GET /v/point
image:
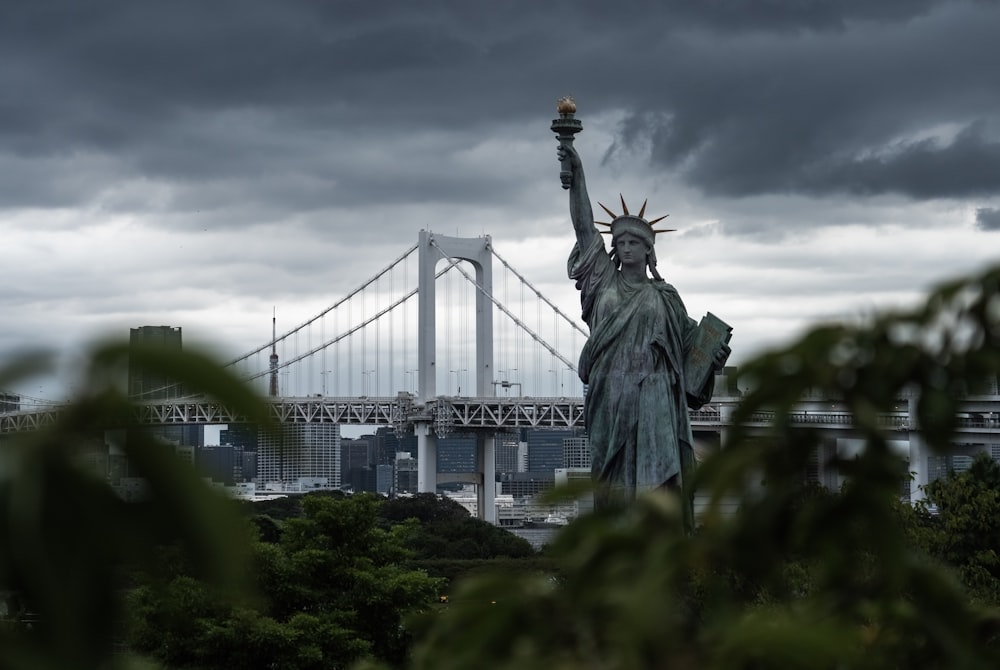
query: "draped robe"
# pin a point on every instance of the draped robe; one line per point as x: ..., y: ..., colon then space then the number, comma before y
x: 636, y: 409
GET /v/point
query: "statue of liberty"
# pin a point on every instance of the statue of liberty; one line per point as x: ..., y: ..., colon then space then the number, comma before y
x: 637, y: 360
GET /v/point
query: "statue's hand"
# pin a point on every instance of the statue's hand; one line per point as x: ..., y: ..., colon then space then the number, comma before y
x: 568, y: 156
x: 721, y: 356
x: 571, y: 164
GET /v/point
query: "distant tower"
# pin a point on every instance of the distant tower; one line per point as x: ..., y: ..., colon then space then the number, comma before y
x: 145, y: 385
x: 273, y: 388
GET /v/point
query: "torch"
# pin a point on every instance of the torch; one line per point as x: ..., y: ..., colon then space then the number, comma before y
x: 565, y: 127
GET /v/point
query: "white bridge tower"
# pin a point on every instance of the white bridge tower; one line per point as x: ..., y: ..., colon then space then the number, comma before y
x: 433, y: 248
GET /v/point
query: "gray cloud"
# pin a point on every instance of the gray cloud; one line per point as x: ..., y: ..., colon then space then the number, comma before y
x: 988, y: 218
x: 806, y: 114
x: 967, y: 166
x: 277, y: 100
x: 200, y: 162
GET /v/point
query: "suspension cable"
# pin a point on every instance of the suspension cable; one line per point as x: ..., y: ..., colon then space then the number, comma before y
x: 332, y: 307
x: 538, y: 293
x: 453, y: 263
x: 346, y: 333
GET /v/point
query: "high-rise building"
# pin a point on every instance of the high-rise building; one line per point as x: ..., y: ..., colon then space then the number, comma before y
x: 239, y: 435
x: 221, y: 464
x: 456, y: 453
x: 388, y: 444
x: 526, y: 484
x: 576, y: 453
x: 361, y: 479
x: 300, y: 456
x: 506, y: 447
x: 145, y: 384
x: 10, y: 402
x: 545, y: 449
x: 354, y: 453
x: 404, y: 474
x: 243, y: 439
x: 356, y: 470
x: 384, y: 478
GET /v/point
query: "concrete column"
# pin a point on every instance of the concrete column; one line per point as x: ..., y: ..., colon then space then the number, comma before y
x: 918, y: 456
x: 426, y: 458
x: 726, y: 418
x: 432, y: 249
x: 426, y: 320
x: 487, y: 488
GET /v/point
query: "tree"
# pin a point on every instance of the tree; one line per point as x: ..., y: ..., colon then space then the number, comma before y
x: 333, y: 590
x: 443, y: 529
x: 966, y: 531
x: 68, y: 543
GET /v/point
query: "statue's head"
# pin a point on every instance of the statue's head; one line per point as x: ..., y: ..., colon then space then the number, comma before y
x: 633, y: 225
x: 636, y: 226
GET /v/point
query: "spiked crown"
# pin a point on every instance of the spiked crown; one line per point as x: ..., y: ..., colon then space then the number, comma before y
x: 632, y: 223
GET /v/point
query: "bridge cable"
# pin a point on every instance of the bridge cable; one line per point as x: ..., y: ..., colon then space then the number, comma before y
x: 346, y: 333
x: 548, y: 302
x: 328, y: 309
x: 454, y: 264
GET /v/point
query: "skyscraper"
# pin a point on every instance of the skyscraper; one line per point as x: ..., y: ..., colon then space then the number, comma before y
x: 576, y: 452
x: 145, y: 385
x: 300, y: 456
x: 506, y: 446
x: 456, y: 453
x: 545, y: 449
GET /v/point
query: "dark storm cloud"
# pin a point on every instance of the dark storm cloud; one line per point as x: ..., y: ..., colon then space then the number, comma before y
x: 841, y: 112
x: 778, y: 15
x: 271, y: 105
x: 967, y: 166
x: 988, y: 218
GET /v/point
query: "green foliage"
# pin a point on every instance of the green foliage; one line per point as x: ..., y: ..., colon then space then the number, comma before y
x: 427, y: 508
x: 453, y: 570
x: 443, y: 529
x: 795, y: 579
x: 67, y: 540
x: 278, y: 509
x: 966, y: 531
x: 332, y: 590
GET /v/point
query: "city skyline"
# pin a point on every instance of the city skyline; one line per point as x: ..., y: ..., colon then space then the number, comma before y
x: 201, y: 167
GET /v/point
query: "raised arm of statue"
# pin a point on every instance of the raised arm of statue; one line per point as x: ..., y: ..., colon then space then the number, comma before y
x: 579, y: 201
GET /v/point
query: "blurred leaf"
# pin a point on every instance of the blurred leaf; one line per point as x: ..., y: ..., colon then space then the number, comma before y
x: 68, y: 542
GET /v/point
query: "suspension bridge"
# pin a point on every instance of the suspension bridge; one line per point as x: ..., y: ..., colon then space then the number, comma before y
x: 432, y: 344
x: 429, y: 344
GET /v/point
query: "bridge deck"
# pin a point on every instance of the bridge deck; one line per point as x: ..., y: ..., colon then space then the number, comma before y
x: 454, y: 414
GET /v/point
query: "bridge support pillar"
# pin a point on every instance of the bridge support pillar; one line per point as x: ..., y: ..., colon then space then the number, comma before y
x: 725, y: 420
x: 426, y: 458
x: 487, y: 490
x: 918, y: 456
x: 433, y: 249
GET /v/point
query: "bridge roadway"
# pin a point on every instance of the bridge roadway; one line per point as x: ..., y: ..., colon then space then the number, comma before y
x: 462, y: 414
x: 445, y: 412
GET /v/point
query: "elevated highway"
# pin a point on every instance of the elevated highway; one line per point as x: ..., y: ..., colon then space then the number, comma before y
x: 980, y: 417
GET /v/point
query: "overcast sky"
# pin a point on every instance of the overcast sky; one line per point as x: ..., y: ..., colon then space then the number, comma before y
x: 199, y: 163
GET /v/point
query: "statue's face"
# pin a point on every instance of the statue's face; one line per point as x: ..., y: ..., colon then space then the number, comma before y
x: 632, y: 250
